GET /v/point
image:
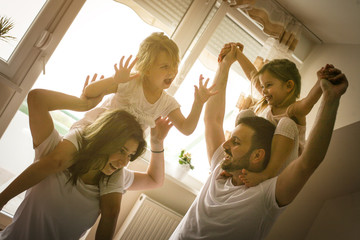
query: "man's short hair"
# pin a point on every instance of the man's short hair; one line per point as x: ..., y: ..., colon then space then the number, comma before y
x: 263, y: 134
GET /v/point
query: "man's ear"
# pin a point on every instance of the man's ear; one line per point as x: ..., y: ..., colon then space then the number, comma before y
x: 290, y: 84
x: 258, y: 156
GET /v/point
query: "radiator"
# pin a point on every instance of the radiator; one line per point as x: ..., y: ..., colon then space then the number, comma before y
x: 148, y: 220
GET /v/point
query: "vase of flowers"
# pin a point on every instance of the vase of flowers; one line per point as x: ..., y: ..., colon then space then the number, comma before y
x: 184, y: 164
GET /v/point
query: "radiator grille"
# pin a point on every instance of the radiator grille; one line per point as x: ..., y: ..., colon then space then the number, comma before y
x: 148, y: 220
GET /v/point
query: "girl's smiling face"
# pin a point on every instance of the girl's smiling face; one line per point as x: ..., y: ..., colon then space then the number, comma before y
x: 274, y: 90
x: 121, y: 158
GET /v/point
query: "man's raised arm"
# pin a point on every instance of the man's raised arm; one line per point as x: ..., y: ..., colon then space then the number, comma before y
x: 215, y: 107
x: 293, y: 178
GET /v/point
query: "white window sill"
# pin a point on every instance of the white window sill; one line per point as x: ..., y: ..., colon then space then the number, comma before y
x: 5, y: 219
x: 187, y: 182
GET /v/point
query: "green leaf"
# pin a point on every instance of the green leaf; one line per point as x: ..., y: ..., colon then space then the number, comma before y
x: 6, y: 25
x: 181, y: 153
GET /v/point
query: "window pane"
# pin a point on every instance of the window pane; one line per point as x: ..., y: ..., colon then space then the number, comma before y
x: 22, y: 14
x: 206, y: 64
x: 168, y: 12
x: 93, y: 44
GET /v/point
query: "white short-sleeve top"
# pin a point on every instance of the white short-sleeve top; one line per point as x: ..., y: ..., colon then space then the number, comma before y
x: 130, y: 97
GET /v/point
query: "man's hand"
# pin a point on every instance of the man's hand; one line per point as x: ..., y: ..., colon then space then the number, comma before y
x: 122, y: 74
x: 335, y: 86
x: 329, y: 71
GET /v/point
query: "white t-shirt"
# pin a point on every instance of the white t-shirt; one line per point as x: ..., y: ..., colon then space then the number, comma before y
x: 267, y: 113
x: 54, y: 208
x: 130, y: 97
x: 224, y: 211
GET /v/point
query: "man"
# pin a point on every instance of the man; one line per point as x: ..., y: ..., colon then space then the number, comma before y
x: 225, y: 208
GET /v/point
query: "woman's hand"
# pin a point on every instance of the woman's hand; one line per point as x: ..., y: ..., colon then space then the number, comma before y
x: 159, y: 133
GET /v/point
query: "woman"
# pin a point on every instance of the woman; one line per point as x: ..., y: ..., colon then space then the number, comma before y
x: 67, y: 203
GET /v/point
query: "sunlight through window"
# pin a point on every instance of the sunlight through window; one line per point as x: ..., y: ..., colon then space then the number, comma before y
x: 93, y: 44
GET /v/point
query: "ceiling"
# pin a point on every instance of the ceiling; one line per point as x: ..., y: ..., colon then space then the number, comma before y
x: 332, y: 21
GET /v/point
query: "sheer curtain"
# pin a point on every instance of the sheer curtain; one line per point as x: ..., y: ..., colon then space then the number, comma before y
x: 279, y: 25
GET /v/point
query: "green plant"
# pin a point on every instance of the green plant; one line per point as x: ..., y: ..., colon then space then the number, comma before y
x: 185, y: 158
x: 6, y: 24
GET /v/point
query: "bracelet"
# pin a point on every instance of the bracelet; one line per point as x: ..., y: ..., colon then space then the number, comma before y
x: 157, y: 151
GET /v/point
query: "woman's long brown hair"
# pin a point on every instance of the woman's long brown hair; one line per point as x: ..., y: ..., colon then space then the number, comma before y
x: 107, y: 135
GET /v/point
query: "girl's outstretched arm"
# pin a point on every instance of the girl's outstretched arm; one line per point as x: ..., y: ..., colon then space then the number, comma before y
x: 302, y: 107
x: 109, y: 85
x: 202, y: 94
x: 247, y: 66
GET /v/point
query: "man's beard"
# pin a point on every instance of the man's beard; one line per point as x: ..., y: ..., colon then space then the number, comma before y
x: 232, y: 166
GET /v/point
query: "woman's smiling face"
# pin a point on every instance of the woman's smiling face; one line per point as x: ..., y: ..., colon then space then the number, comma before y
x: 121, y: 158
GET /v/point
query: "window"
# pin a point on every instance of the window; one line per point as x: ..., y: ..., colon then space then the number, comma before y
x: 92, y: 44
x: 227, y: 31
x: 22, y: 17
x: 95, y: 41
x: 20, y: 63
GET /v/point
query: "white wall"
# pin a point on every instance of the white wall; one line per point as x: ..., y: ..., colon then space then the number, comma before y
x: 346, y: 58
x: 339, y: 218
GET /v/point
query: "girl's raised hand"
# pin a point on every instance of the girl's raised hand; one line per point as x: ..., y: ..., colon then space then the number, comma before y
x: 122, y: 74
x: 90, y: 102
x: 203, y: 93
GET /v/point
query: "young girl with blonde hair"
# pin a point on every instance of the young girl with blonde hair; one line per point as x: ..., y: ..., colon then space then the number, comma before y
x: 143, y: 93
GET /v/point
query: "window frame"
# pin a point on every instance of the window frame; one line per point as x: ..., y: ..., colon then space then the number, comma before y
x: 192, y: 184
x: 18, y: 74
